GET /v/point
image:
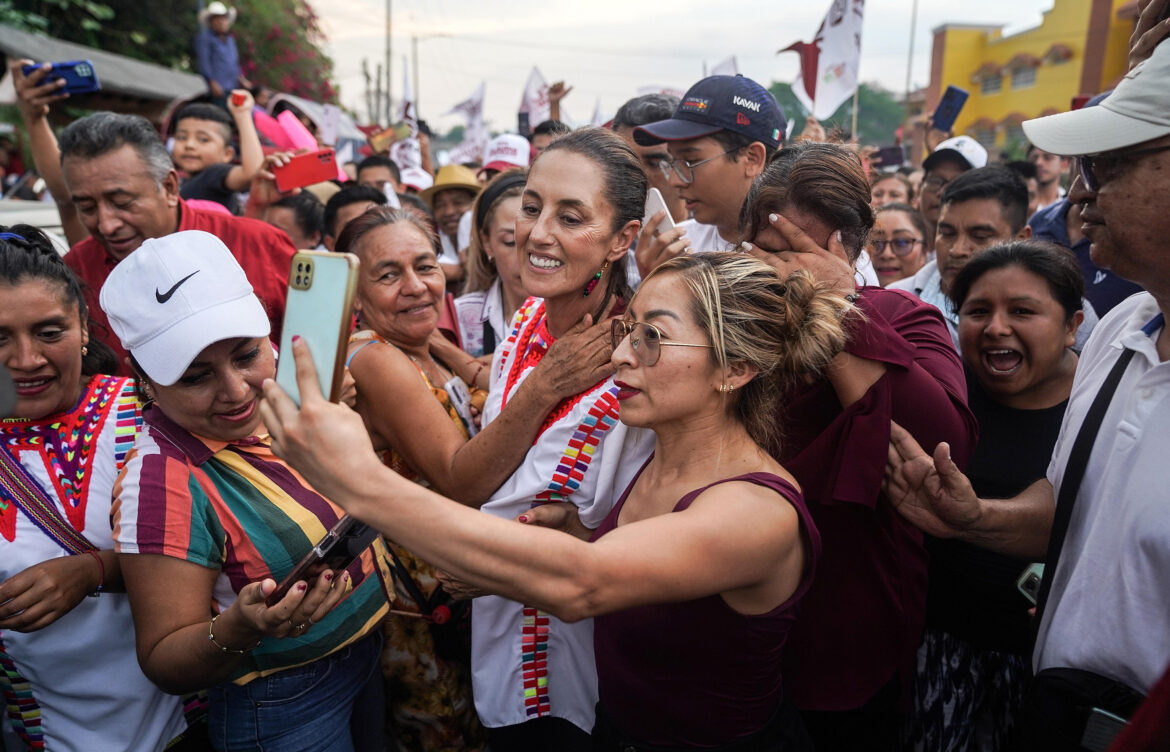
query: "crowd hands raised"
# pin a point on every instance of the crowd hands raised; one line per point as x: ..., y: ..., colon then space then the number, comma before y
x: 760, y: 473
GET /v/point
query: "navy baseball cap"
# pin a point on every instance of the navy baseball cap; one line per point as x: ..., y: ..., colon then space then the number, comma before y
x: 720, y: 103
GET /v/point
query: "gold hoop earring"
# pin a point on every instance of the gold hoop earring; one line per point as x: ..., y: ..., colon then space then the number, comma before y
x: 725, y: 388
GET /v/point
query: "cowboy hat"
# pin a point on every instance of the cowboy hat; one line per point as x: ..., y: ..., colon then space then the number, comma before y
x: 216, y: 8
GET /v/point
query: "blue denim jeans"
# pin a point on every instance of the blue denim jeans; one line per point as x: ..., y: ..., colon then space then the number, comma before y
x: 331, y: 705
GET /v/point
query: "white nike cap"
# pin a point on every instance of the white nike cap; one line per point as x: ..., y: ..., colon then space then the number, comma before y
x: 176, y: 295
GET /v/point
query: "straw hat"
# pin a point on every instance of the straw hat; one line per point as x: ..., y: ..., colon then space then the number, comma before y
x: 451, y: 176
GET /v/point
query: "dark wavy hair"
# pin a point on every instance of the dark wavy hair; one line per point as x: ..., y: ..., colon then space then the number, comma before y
x: 31, y: 255
x: 1055, y: 265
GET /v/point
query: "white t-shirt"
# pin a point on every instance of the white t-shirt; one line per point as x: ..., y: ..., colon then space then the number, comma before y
x: 706, y: 238
x: 1109, y: 610
x: 78, y: 678
x: 586, y: 457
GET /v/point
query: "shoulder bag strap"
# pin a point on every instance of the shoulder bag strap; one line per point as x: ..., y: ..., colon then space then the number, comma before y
x: 17, y: 485
x: 1074, y: 473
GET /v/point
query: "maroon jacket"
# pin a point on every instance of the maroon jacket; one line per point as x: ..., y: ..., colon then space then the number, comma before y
x: 861, y: 622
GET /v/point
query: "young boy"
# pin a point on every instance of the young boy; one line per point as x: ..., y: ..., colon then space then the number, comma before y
x: 204, y: 151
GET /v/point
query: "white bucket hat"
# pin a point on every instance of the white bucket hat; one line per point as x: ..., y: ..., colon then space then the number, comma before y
x: 1138, y: 110
x: 175, y: 296
x: 216, y: 8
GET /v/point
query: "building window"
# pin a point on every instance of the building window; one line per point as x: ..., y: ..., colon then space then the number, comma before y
x: 1023, y: 77
x: 985, y: 137
x: 991, y: 84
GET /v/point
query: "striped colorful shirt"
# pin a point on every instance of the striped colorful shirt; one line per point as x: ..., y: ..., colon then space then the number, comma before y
x: 237, y: 508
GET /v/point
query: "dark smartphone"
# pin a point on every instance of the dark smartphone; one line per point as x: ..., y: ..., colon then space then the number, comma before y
x: 344, y: 542
x: 522, y: 125
x: 889, y: 157
x: 948, y: 109
x: 306, y: 169
x: 7, y: 394
x: 79, y: 76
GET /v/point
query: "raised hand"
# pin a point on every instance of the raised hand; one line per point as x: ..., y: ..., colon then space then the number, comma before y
x: 929, y: 492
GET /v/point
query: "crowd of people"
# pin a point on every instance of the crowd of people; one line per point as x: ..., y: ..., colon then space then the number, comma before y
x: 772, y: 466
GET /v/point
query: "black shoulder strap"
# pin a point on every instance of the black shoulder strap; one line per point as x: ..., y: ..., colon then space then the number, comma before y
x: 1074, y: 473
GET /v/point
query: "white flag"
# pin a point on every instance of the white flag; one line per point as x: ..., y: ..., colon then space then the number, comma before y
x: 535, y: 99
x: 406, y: 153
x: 475, y: 141
x: 835, y: 54
x: 472, y: 107
x: 728, y: 67
x: 408, y: 114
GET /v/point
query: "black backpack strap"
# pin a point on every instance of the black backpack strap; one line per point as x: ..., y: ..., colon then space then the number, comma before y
x: 1074, y: 473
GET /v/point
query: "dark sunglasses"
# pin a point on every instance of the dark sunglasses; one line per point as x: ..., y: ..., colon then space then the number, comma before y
x: 900, y: 246
x: 1092, y: 166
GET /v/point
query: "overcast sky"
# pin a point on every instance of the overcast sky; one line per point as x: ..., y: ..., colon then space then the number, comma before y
x: 607, y: 49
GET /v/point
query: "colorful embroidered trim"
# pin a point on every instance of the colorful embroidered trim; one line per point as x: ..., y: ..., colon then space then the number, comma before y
x: 570, y: 471
x: 127, y: 422
x: 534, y: 662
x: 22, y: 709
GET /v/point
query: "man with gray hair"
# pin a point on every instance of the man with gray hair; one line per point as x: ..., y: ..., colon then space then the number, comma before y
x: 124, y: 186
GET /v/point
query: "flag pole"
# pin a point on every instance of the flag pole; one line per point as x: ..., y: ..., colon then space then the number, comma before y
x: 853, y: 127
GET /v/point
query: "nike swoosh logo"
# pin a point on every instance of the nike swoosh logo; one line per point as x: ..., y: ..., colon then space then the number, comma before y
x: 163, y: 297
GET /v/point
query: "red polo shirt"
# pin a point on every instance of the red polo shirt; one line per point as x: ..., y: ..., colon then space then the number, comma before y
x: 263, y: 251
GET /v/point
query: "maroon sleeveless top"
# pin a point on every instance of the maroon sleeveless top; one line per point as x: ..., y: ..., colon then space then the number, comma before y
x: 697, y: 673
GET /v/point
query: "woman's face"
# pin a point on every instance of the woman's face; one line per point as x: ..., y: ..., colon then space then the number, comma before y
x: 892, y: 264
x: 1013, y: 333
x: 499, y: 243
x: 218, y: 396
x: 41, y: 336
x: 684, y: 380
x: 564, y: 230
x: 400, y: 284
x: 888, y: 191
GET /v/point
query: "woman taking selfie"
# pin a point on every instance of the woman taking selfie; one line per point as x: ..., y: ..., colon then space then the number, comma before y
x: 59, y: 455
x: 207, y: 520
x: 1019, y: 308
x: 695, y: 573
x: 851, y: 665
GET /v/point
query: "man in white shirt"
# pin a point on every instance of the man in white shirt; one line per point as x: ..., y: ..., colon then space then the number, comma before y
x: 1107, y: 611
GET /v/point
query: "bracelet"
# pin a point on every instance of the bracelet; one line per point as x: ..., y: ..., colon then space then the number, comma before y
x: 223, y: 648
x: 101, y: 573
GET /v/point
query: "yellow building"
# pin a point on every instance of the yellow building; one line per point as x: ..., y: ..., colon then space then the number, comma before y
x: 1079, y: 49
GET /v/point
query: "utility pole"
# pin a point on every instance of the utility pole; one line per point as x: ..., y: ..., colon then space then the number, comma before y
x: 371, y: 110
x: 378, y: 95
x: 389, y: 30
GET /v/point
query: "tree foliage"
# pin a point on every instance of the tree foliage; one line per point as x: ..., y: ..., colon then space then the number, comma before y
x: 280, y: 41
x: 879, y: 113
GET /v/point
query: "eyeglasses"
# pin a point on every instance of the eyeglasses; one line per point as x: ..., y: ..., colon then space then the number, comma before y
x: 686, y: 170
x: 1094, y: 167
x: 935, y: 182
x: 900, y: 246
x: 646, y: 341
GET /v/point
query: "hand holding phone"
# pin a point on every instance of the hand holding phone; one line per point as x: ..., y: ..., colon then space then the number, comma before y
x: 306, y: 169
x: 78, y: 75
x: 948, y: 109
x: 340, y: 547
x: 656, y: 203
x: 319, y: 309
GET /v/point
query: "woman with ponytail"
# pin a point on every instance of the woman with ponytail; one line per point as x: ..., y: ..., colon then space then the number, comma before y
x: 851, y: 662
x: 695, y: 573
x: 67, y: 661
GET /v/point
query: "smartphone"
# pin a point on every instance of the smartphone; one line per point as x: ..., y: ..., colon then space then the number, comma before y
x: 948, y: 109
x: 7, y: 394
x: 1029, y: 582
x: 344, y: 543
x: 654, y: 204
x: 319, y: 309
x: 79, y: 76
x: 306, y: 169
x: 889, y: 157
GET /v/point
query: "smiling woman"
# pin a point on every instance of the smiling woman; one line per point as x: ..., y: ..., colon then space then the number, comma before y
x: 197, y: 334
x: 59, y: 455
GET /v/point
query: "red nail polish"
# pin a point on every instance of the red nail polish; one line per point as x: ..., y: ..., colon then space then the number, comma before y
x: 328, y: 576
x: 296, y: 338
x: 524, y: 518
x: 301, y: 587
